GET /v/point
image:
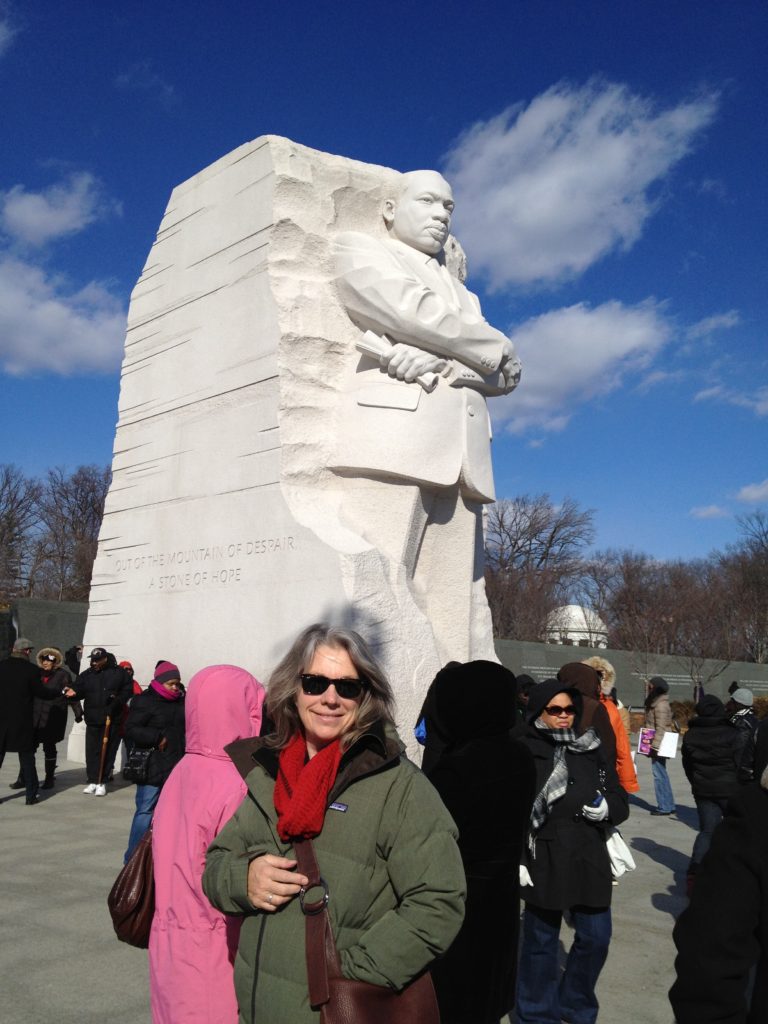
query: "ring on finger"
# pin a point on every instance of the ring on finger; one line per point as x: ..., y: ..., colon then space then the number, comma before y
x: 270, y: 897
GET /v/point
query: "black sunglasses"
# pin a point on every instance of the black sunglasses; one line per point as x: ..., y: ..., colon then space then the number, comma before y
x: 47, y: 657
x: 313, y: 686
x: 555, y: 710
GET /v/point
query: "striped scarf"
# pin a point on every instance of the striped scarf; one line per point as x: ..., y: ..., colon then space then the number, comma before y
x: 557, y: 783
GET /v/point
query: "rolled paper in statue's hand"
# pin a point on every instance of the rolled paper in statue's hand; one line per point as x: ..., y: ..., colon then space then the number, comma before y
x: 376, y: 345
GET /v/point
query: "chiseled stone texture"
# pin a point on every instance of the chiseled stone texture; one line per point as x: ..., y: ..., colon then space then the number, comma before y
x: 222, y: 536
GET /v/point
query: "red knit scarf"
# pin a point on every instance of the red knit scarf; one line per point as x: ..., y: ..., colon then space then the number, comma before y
x: 302, y: 788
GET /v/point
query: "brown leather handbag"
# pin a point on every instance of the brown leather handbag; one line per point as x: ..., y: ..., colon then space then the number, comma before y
x: 340, y: 1000
x: 131, y: 901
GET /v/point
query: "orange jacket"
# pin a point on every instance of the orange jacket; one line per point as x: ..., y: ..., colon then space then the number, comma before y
x: 624, y: 767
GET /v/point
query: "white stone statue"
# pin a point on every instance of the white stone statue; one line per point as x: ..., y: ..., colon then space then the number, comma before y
x: 414, y: 429
x: 265, y: 474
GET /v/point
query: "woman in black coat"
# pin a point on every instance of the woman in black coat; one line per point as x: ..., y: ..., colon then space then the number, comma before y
x: 486, y: 780
x: 156, y: 722
x: 711, y: 755
x: 49, y: 717
x: 566, y: 864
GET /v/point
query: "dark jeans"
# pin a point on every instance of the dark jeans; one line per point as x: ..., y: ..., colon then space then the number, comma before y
x: 94, y: 737
x: 710, y: 816
x: 543, y: 997
x: 49, y: 749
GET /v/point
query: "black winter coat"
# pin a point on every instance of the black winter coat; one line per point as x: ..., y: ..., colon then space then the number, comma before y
x: 746, y: 725
x: 101, y: 691
x: 150, y: 718
x: 711, y: 755
x: 49, y: 717
x: 20, y: 683
x: 723, y: 933
x: 571, y: 866
x: 485, y: 779
x: 760, y: 760
x: 487, y: 784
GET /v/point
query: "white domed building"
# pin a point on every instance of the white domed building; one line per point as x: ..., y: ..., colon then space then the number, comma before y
x: 576, y: 626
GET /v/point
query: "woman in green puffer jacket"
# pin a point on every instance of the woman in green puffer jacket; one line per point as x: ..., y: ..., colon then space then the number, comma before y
x: 334, y: 771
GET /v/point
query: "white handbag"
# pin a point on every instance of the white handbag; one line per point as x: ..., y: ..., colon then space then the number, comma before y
x: 619, y: 853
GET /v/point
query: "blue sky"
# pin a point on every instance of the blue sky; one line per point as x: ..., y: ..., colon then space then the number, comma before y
x: 609, y: 163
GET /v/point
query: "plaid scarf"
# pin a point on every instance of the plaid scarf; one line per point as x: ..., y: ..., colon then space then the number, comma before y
x: 557, y: 783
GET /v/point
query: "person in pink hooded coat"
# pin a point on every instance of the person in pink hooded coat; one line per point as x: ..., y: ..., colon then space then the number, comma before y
x: 192, y: 946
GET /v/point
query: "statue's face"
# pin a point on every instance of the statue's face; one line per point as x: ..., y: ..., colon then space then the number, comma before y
x: 421, y: 217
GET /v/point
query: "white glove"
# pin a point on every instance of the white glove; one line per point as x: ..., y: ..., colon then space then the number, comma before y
x: 525, y: 877
x: 599, y: 813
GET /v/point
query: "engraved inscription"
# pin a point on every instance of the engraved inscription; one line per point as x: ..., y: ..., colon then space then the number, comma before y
x: 199, y: 567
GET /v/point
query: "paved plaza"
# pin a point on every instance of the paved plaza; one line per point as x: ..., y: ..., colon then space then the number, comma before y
x: 60, y: 960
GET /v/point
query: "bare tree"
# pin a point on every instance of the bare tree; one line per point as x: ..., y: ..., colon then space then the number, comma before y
x: 19, y: 497
x: 533, y: 550
x: 70, y: 511
x: 745, y: 565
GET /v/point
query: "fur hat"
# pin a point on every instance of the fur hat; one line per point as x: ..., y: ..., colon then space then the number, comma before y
x: 605, y: 670
x: 58, y: 657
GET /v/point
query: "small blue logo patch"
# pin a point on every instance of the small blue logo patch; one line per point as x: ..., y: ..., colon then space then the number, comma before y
x: 339, y: 807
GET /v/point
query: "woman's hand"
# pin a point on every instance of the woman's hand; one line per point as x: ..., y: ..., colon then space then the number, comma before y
x: 597, y: 812
x: 273, y: 882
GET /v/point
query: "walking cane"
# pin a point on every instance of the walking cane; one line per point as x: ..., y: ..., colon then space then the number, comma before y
x: 104, y: 744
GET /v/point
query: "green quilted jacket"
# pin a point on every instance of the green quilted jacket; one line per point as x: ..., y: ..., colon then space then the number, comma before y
x: 388, y: 853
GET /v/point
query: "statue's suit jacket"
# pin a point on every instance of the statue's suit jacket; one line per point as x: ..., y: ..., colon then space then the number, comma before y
x: 395, y: 429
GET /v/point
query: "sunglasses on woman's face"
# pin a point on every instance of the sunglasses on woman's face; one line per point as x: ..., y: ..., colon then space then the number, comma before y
x: 555, y: 710
x: 47, y: 657
x: 313, y: 686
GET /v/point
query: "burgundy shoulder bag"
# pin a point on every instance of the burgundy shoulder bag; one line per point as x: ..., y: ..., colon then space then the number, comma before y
x: 340, y: 1000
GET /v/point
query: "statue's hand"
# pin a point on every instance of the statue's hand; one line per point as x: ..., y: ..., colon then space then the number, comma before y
x: 510, y: 367
x: 406, y: 362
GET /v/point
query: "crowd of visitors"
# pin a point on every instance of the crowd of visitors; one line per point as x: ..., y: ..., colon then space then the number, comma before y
x: 257, y: 799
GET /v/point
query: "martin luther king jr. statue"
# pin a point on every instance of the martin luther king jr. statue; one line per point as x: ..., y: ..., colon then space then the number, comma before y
x: 414, y: 431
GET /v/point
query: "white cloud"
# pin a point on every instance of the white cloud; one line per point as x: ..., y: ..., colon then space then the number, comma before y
x: 594, y: 350
x: 141, y: 77
x: 45, y: 328
x: 710, y: 324
x: 36, y: 218
x: 709, y: 512
x: 7, y: 33
x: 545, y: 191
x: 754, y: 493
x: 657, y: 377
x: 755, y: 401
x: 46, y: 323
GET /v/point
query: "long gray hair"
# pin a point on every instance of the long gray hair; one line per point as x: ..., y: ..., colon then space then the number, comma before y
x: 376, y: 704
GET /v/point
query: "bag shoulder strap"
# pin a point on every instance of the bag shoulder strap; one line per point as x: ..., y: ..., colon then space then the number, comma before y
x: 322, y: 955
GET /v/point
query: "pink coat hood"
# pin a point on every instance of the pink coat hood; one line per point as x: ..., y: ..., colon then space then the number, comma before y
x: 223, y: 704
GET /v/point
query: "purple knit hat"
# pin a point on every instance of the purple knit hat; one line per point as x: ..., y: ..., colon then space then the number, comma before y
x: 165, y: 671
